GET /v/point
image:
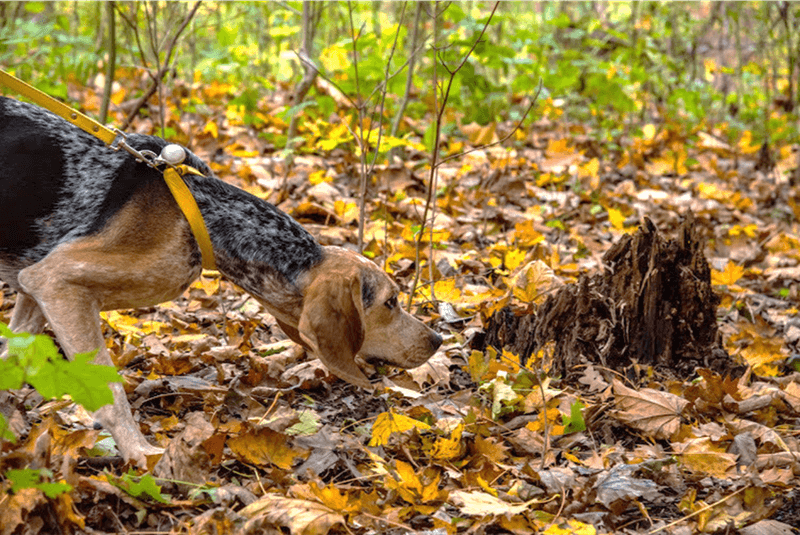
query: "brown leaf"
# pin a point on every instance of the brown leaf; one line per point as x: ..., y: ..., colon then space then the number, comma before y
x: 655, y: 413
x: 302, y: 517
x: 265, y: 446
x: 700, y: 455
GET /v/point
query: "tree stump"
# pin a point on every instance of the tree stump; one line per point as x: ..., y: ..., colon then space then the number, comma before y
x: 653, y: 304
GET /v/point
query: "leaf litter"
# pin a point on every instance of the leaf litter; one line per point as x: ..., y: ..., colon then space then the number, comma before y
x: 499, y: 432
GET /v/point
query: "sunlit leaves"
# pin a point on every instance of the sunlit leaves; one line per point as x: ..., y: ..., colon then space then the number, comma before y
x: 388, y: 423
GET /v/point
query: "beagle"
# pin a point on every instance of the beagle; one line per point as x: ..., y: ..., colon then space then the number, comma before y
x: 84, y: 228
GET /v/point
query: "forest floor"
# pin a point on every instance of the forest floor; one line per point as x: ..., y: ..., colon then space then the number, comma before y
x: 588, y: 428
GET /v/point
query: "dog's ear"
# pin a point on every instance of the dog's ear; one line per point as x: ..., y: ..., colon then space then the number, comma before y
x: 332, y: 325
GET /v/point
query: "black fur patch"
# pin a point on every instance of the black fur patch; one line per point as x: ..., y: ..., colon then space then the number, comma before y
x: 58, y: 183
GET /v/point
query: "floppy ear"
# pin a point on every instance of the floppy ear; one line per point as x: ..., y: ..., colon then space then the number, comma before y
x: 332, y: 325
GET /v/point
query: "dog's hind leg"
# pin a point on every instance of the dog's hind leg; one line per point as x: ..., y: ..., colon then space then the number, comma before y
x: 27, y: 316
x: 73, y: 314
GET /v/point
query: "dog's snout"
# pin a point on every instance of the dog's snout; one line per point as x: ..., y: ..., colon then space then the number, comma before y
x: 435, y: 340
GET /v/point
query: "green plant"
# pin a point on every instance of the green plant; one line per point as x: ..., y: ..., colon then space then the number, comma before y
x: 34, y: 359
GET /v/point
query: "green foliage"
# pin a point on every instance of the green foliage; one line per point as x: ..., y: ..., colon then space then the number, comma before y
x: 34, y: 359
x: 613, y: 66
x: 139, y: 486
x: 574, y: 423
x: 36, y: 479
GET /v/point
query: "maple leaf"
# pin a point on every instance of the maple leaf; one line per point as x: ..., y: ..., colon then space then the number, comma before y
x: 412, y: 488
x: 530, y: 282
x: 391, y: 422
x: 449, y: 448
x: 729, y: 276
x: 650, y: 411
x: 265, y: 446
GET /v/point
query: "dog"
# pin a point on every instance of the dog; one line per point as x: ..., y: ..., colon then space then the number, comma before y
x: 85, y: 228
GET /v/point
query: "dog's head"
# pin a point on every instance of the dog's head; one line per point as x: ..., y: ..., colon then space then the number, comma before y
x: 351, y: 312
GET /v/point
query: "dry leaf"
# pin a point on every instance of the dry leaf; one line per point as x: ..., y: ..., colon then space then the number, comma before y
x: 478, y: 503
x: 301, y: 517
x: 655, y: 413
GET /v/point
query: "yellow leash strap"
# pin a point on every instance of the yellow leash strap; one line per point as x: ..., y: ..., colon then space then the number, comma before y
x: 188, y: 205
x: 173, y: 174
x: 84, y: 122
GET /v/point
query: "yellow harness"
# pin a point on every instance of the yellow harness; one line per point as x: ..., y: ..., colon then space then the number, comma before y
x: 171, y: 157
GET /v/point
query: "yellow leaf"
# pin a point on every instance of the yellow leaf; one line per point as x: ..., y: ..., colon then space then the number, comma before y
x: 243, y: 153
x: 530, y: 282
x: 446, y: 290
x: 318, y: 177
x: 700, y: 455
x: 336, y: 136
x: 390, y: 422
x: 527, y: 236
x: 486, y: 487
x: 330, y: 496
x: 477, y: 365
x: 210, y: 285
x: 732, y: 273
x: 649, y: 132
x: 347, y: 211
x: 558, y: 146
x: 572, y: 527
x: 211, y: 128
x: 616, y: 218
x: 157, y: 327
x: 514, y: 258
x: 449, y: 448
x: 746, y: 145
x: 407, y: 476
x: 762, y: 352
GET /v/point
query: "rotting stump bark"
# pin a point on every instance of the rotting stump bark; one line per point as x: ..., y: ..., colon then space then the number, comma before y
x: 653, y: 304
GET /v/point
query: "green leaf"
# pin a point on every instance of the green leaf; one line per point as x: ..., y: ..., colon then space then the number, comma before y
x: 308, y: 424
x: 5, y: 432
x: 11, y: 374
x: 87, y: 383
x: 33, y: 479
x: 34, y: 7
x: 145, y: 486
x: 575, y: 422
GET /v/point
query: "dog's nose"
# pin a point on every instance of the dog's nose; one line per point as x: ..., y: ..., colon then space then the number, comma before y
x: 435, y: 340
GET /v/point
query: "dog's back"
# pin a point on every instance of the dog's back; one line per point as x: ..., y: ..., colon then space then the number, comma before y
x: 58, y: 183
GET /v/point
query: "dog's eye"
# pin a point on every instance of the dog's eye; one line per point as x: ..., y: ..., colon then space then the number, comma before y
x: 391, y: 302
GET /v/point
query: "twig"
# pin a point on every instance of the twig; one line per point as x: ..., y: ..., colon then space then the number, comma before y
x: 701, y: 510
x: 435, y: 150
x: 499, y: 141
x: 163, y: 69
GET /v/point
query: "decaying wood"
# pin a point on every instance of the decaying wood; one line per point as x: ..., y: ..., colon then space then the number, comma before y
x: 653, y: 304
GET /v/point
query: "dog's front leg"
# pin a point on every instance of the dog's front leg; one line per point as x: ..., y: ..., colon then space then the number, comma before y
x: 73, y: 313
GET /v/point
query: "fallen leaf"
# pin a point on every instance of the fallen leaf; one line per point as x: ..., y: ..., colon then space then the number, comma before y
x: 655, y: 413
x: 476, y: 503
x: 301, y: 517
